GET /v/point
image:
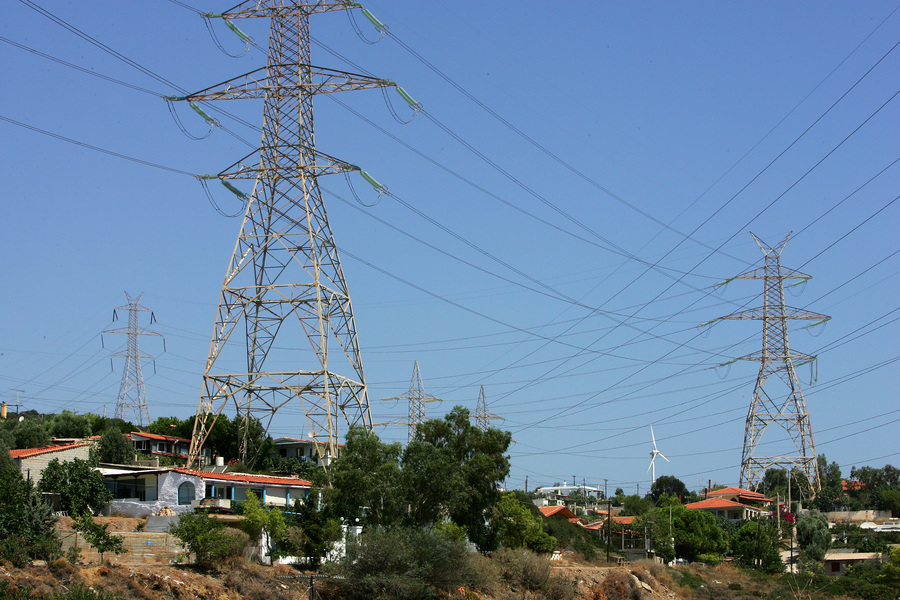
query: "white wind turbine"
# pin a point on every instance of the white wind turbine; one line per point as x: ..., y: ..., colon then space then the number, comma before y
x: 653, y: 454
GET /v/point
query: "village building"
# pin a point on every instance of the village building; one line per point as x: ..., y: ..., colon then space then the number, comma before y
x: 31, y: 462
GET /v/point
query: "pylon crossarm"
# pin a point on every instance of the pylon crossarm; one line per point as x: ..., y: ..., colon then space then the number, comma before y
x: 323, y: 165
x: 275, y: 8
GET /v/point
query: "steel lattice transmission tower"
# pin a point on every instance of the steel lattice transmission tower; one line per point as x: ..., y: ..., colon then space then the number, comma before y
x: 284, y: 282
x: 131, y: 403
x: 483, y: 416
x: 777, y: 398
x: 417, y: 397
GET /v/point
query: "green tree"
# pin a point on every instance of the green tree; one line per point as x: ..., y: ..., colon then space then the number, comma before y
x: 635, y: 506
x: 890, y: 500
x: 208, y: 539
x: 26, y: 521
x: 182, y: 428
x: 69, y: 425
x: 259, y: 522
x: 31, y: 433
x: 696, y: 532
x: 758, y: 539
x: 478, y: 466
x: 518, y: 527
x: 97, y: 536
x: 80, y: 487
x: 813, y: 537
x: 115, y: 448
x: 668, y: 484
x: 309, y: 532
x: 364, y: 483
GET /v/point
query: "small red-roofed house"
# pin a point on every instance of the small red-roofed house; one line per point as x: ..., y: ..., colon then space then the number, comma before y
x: 561, y: 511
x: 728, y: 509
x: 31, y: 462
x: 736, y: 494
x: 165, y: 445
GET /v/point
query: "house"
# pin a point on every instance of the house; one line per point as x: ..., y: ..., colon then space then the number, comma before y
x: 837, y: 563
x: 140, y: 491
x: 561, y: 511
x: 727, y: 509
x: 303, y: 450
x: 165, y: 445
x: 32, y: 461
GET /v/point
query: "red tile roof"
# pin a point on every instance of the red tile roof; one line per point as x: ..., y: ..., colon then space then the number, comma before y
x: 29, y: 452
x: 748, y: 495
x: 552, y: 511
x: 247, y: 478
x: 718, y: 503
x: 624, y: 520
x: 156, y: 436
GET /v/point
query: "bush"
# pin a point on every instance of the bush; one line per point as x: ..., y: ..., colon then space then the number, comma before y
x: 619, y: 586
x: 208, y: 539
x: 523, y: 568
x: 403, y: 563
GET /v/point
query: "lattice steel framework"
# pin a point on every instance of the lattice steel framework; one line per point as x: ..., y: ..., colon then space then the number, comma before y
x: 285, y: 281
x: 417, y: 397
x: 483, y: 416
x: 131, y: 403
x: 785, y: 408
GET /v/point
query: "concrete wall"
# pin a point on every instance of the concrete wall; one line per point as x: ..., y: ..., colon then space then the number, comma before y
x: 33, y: 466
x: 857, y: 516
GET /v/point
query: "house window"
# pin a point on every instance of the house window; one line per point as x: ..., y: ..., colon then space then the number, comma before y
x: 186, y: 493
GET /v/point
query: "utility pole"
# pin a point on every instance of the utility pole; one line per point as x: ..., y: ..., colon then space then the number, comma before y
x: 17, y: 400
x: 777, y: 398
x: 417, y: 397
x: 285, y: 282
x: 131, y: 403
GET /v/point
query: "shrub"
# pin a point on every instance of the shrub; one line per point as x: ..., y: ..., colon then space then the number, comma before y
x: 403, y: 563
x: 208, y: 539
x: 619, y: 586
x: 710, y: 559
x: 559, y: 588
x: 523, y: 568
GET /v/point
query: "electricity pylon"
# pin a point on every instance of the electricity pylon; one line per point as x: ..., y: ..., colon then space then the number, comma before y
x: 482, y: 415
x: 417, y: 397
x: 131, y: 403
x: 285, y: 281
x: 783, y: 407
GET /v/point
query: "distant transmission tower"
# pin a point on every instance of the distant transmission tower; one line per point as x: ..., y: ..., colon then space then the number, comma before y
x: 417, y: 397
x: 483, y: 416
x: 285, y: 283
x: 131, y: 404
x: 777, y: 398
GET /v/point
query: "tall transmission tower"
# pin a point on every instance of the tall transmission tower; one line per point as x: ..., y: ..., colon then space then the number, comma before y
x: 417, y: 397
x: 131, y: 403
x: 777, y: 397
x: 284, y: 282
x: 483, y: 416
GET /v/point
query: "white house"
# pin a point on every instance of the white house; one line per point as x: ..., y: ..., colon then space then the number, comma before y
x: 140, y: 492
x: 165, y: 445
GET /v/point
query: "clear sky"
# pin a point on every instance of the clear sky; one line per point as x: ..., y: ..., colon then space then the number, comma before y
x: 583, y: 176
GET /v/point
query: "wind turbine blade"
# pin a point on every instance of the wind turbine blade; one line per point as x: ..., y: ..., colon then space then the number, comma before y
x: 664, y: 456
x: 651, y: 463
x: 653, y: 437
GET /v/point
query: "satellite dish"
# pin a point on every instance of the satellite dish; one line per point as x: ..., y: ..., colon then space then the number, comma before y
x: 21, y: 418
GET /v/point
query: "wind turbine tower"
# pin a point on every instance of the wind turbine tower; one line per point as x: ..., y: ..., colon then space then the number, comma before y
x: 653, y: 454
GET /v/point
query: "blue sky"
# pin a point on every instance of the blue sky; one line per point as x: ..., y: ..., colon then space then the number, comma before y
x: 589, y: 173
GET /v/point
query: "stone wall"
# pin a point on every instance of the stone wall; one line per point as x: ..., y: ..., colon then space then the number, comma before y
x: 858, y: 516
x: 143, y: 548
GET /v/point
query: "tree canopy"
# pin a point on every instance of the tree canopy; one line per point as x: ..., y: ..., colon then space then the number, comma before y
x: 115, y: 448
x: 671, y: 485
x: 80, y: 488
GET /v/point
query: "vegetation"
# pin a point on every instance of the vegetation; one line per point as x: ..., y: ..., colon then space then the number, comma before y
x: 259, y: 522
x: 813, y: 537
x: 80, y: 488
x: 518, y: 527
x: 756, y: 545
x: 26, y: 521
x: 208, y: 539
x: 115, y: 448
x: 97, y: 536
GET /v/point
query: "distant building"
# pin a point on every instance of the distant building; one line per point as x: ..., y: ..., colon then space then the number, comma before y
x: 31, y: 462
x: 303, y: 450
x: 562, y: 512
x: 837, y: 563
x: 727, y: 509
x: 165, y: 445
x: 736, y: 494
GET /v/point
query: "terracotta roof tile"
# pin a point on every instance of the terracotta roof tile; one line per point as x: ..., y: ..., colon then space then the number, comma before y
x: 718, y: 503
x: 29, y: 452
x: 247, y: 478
